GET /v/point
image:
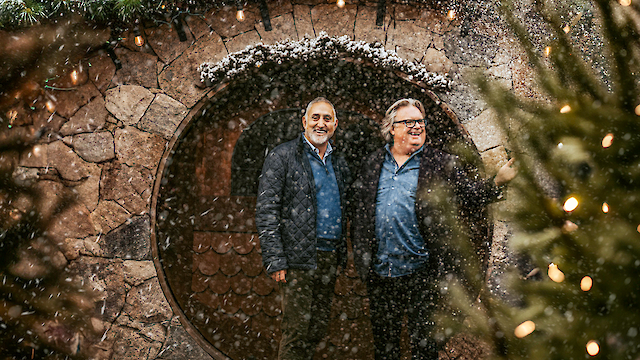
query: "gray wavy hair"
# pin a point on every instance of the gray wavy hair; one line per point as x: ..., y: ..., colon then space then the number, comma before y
x: 390, y: 116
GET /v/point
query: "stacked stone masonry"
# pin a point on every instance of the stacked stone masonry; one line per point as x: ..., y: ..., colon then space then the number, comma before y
x: 107, y: 138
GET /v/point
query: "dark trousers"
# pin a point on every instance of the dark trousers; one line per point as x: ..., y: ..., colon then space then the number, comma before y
x: 306, y: 303
x: 390, y: 299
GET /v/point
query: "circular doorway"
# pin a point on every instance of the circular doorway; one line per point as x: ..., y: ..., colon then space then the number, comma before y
x: 205, y: 240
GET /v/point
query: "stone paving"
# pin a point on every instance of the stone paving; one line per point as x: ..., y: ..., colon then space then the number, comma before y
x: 107, y: 138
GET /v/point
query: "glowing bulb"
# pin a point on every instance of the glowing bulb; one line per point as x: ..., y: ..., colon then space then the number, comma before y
x: 74, y: 77
x: 547, y: 51
x: 607, y: 140
x: 565, y: 109
x: 625, y: 2
x: 162, y: 6
x: 524, y: 329
x: 571, y: 204
x: 593, y: 348
x: 51, y: 107
x: 637, y: 110
x: 605, y: 207
x: 451, y: 15
x: 586, y: 283
x: 566, y: 29
x: 240, y: 15
x: 638, y: 228
x: 340, y: 3
x: 555, y: 274
x: 139, y: 40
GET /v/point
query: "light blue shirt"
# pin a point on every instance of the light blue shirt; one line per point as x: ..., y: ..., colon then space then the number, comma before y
x: 401, y: 248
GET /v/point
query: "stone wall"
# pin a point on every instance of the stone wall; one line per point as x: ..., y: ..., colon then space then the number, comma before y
x: 108, y: 136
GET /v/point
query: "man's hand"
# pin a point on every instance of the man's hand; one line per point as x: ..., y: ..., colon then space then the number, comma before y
x: 279, y: 276
x: 506, y: 173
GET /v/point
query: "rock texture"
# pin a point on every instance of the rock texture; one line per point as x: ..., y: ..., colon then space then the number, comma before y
x: 94, y: 147
x: 128, y: 102
x: 163, y: 116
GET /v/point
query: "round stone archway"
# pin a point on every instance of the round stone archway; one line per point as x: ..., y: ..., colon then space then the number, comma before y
x: 204, y: 239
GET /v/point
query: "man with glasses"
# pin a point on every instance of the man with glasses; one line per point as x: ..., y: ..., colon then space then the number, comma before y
x: 398, y: 224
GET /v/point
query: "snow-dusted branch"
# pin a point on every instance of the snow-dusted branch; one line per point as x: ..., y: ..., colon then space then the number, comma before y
x: 322, y: 47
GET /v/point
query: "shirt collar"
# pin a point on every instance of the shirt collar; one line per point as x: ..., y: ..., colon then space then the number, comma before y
x: 315, y: 149
x: 388, y: 148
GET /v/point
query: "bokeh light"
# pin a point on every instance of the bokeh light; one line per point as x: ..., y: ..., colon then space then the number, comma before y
x: 607, y: 140
x: 555, y: 274
x: 605, y: 208
x: 571, y: 204
x: 625, y: 2
x: 524, y: 329
x: 340, y: 3
x: 586, y: 283
x: 593, y: 348
x: 565, y: 109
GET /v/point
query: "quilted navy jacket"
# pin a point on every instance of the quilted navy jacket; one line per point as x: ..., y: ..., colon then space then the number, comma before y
x: 286, y: 208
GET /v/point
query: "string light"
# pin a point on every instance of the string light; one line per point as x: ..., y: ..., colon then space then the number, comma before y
x: 51, y: 107
x: 240, y: 12
x: 547, y: 51
x: 340, y: 3
x: 565, y: 109
x: 607, y: 140
x: 638, y: 228
x: 625, y: 2
x: 138, y: 39
x: 637, y: 110
x: 524, y: 329
x: 566, y: 29
x: 74, y: 77
x: 571, y: 204
x: 605, y: 207
x: 451, y: 15
x: 586, y: 283
x: 593, y: 348
x: 555, y: 274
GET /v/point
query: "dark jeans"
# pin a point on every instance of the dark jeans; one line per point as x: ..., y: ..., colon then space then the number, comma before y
x: 306, y: 303
x: 390, y: 299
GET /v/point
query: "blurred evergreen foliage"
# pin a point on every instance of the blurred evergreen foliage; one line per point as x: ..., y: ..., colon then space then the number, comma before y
x: 580, y: 138
x: 44, y: 309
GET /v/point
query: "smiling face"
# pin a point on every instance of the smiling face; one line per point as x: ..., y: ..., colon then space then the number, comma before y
x: 319, y: 124
x: 405, y: 139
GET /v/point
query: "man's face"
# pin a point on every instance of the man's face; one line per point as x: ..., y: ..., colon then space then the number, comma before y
x: 319, y: 124
x: 404, y: 135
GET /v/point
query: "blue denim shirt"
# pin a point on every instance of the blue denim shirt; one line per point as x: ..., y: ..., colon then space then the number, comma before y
x: 329, y: 214
x: 401, y: 248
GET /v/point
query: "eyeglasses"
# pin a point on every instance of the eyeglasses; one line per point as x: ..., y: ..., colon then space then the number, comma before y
x: 412, y: 123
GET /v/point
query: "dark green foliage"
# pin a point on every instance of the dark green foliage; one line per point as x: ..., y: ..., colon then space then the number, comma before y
x: 565, y: 148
